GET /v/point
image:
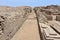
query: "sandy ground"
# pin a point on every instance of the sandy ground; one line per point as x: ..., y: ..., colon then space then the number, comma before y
x: 29, y: 31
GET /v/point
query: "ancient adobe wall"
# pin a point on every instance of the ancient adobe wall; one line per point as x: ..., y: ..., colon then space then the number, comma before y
x: 13, y: 21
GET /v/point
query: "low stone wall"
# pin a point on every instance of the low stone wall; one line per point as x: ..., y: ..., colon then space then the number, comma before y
x: 49, y: 17
x: 58, y: 18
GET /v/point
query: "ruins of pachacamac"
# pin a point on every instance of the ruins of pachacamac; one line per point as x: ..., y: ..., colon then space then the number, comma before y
x: 30, y: 23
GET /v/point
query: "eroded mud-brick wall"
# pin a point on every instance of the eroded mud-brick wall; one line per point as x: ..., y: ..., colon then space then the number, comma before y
x: 40, y: 15
x: 13, y: 20
x: 49, y: 12
x: 58, y: 17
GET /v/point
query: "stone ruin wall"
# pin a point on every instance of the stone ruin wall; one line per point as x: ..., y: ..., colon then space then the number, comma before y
x: 52, y: 12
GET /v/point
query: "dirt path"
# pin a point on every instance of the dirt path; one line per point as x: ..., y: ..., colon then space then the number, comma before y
x: 29, y: 31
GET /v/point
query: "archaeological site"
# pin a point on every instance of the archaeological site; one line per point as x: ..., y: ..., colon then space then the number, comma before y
x: 30, y: 23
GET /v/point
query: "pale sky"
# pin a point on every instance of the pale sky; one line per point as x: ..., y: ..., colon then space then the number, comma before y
x: 29, y: 2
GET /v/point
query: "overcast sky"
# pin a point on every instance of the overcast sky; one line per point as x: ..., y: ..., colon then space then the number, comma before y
x: 29, y: 2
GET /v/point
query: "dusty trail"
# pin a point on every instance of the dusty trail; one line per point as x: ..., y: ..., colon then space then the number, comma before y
x: 29, y: 30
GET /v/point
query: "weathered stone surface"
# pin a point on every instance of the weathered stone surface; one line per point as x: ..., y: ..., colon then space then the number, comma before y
x: 58, y: 17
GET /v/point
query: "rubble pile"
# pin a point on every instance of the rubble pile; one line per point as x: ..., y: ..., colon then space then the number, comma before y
x: 1, y: 25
